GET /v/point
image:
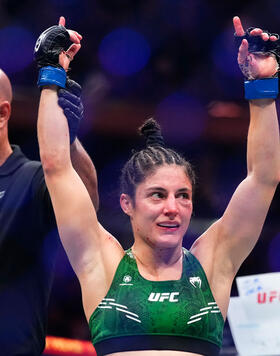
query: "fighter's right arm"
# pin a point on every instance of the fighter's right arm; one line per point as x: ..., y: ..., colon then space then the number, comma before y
x: 88, y: 246
x: 74, y: 211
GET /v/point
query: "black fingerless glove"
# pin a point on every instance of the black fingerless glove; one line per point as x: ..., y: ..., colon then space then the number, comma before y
x: 47, y: 49
x: 257, y: 44
x: 50, y: 44
x: 266, y: 88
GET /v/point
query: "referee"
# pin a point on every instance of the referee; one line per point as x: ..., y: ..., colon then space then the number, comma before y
x: 28, y: 232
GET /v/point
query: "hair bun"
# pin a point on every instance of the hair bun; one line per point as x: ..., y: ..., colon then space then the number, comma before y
x: 152, y: 133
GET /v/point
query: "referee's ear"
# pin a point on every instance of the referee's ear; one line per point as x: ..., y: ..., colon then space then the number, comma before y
x: 5, y: 113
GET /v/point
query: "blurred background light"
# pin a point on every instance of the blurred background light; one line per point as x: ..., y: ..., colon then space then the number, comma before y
x: 186, y: 15
x: 123, y: 52
x: 182, y: 117
x: 224, y: 54
x: 17, y: 45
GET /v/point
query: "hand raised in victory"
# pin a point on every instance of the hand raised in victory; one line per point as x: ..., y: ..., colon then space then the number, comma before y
x: 260, y: 62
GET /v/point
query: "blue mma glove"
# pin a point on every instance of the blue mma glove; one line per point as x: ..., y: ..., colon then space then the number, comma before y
x: 47, y: 49
x: 69, y: 99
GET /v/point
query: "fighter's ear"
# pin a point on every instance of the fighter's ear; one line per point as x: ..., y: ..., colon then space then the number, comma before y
x: 126, y: 204
x: 5, y: 112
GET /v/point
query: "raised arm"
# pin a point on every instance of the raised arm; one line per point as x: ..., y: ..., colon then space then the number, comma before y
x: 234, y: 235
x: 93, y: 253
x: 68, y: 194
x: 242, y: 222
x: 74, y: 211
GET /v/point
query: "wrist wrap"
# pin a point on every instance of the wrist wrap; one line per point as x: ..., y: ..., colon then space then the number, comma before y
x: 52, y: 75
x: 261, y: 88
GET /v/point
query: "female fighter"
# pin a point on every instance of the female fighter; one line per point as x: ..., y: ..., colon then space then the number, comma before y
x: 157, y: 298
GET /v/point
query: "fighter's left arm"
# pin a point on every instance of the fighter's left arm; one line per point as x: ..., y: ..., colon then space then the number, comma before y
x: 240, y: 226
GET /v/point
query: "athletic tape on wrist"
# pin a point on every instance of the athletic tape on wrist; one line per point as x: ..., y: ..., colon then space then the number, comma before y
x: 52, y: 75
x: 261, y: 88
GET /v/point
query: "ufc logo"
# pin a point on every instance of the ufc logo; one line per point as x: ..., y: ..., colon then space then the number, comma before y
x: 161, y: 297
x: 268, y: 297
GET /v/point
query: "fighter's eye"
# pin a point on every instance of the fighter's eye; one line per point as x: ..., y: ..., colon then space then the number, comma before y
x: 157, y: 195
x: 184, y: 195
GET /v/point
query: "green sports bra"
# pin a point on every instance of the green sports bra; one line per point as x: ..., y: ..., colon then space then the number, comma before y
x: 138, y: 314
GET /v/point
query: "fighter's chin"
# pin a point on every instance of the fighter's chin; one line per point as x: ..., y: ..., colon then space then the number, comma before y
x: 167, y: 241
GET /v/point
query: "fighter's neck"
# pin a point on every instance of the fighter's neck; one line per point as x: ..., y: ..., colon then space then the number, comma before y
x: 157, y: 261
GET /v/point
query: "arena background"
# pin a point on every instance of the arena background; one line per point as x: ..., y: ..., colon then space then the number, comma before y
x: 171, y: 59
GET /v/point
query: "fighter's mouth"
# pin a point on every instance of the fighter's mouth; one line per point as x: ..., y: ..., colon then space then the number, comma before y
x: 168, y: 225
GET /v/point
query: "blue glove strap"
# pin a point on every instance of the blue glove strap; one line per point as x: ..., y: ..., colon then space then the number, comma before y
x: 261, y: 88
x: 52, y: 75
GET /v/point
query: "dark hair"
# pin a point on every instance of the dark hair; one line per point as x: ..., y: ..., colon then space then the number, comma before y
x: 143, y: 163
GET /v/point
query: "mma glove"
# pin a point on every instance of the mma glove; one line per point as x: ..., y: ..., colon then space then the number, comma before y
x: 257, y: 44
x: 48, y: 47
x: 260, y: 88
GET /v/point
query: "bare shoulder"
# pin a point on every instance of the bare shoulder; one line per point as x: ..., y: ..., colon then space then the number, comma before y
x: 205, y: 247
x: 210, y: 249
x: 106, y: 257
x: 96, y: 280
x: 111, y: 251
x: 219, y: 272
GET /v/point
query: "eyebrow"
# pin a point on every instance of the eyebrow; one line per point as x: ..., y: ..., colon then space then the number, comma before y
x: 181, y: 190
